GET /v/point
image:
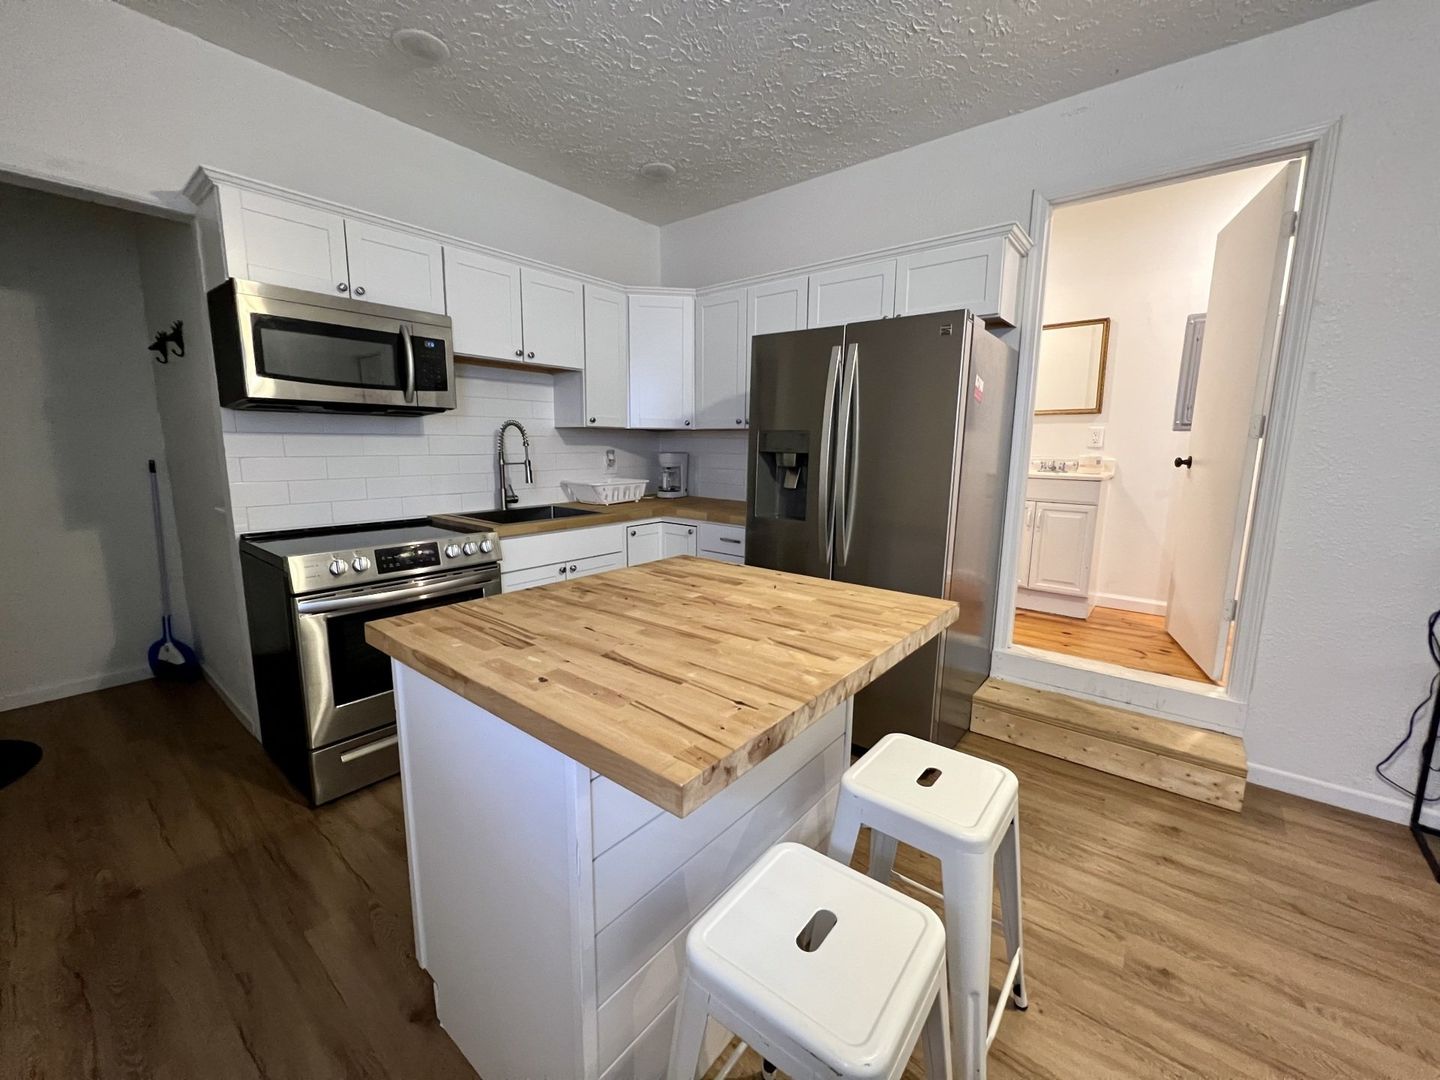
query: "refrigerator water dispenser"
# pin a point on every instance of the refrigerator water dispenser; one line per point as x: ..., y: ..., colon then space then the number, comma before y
x: 781, y: 472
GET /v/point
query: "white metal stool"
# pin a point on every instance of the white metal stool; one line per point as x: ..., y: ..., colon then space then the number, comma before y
x: 965, y: 812
x: 824, y: 972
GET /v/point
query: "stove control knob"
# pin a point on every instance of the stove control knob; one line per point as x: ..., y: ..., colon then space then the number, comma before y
x: 487, y: 546
x: 452, y: 551
x: 338, y: 567
x: 360, y: 565
x: 471, y: 547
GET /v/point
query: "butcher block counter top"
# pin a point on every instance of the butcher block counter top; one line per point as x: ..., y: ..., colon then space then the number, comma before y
x: 672, y: 678
x: 720, y: 511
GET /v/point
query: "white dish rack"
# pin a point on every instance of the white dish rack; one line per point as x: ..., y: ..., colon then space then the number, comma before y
x: 606, y: 492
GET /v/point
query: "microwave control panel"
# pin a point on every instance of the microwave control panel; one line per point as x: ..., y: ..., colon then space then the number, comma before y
x: 430, y: 366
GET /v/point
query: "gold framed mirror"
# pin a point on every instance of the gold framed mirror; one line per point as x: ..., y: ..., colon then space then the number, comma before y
x: 1070, y: 379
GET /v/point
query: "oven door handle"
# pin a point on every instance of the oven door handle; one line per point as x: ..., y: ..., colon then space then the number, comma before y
x: 409, y: 363
x: 332, y: 604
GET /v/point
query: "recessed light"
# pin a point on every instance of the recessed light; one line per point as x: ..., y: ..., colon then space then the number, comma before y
x: 657, y: 170
x: 421, y: 46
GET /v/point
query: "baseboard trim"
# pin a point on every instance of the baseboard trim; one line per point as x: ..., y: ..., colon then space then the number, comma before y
x: 1386, y: 807
x: 36, y: 695
x: 1131, y: 603
x: 231, y: 701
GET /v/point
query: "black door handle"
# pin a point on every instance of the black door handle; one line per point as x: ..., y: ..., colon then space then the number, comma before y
x: 1186, y: 461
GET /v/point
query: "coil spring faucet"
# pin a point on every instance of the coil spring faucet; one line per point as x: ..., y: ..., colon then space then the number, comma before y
x: 510, y: 497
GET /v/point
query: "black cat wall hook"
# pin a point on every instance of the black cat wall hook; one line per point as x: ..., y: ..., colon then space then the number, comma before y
x: 174, y: 336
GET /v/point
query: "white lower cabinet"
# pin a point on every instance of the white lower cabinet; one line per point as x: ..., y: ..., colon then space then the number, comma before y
x: 545, y: 558
x: 1056, y: 567
x: 648, y: 541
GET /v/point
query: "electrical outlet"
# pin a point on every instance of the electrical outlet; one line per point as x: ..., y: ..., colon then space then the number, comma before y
x: 609, y: 461
x: 1096, y: 439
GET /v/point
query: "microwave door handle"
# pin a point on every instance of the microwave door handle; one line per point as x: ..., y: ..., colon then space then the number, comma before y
x: 409, y: 363
x: 827, y: 421
x: 388, y: 597
x: 845, y: 449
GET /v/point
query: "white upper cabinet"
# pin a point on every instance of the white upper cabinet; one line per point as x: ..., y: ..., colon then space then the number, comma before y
x: 283, y: 243
x: 854, y: 293
x: 388, y: 266
x: 600, y: 396
x: 662, y: 360
x: 722, y: 360
x: 553, y: 308
x: 482, y: 295
x: 776, y: 306
x: 982, y: 275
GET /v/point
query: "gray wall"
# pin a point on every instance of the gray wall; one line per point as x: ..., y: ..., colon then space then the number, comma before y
x: 78, y: 582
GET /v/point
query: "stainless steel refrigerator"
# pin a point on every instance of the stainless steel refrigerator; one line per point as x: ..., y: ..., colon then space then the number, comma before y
x: 879, y: 455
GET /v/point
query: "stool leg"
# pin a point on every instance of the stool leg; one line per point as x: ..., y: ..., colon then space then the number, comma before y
x: 936, y: 1035
x: 846, y: 829
x: 690, y: 1018
x: 882, y: 855
x: 969, y: 897
x: 1008, y: 869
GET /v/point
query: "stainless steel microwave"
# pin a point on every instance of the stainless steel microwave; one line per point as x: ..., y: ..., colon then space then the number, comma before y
x: 278, y: 348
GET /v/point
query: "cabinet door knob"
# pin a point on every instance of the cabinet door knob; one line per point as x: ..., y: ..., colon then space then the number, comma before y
x: 592, y: 419
x: 562, y: 569
x: 632, y: 532
x: 572, y: 568
x: 359, y: 290
x: 519, y: 352
x: 1186, y: 461
x: 529, y: 356
x: 342, y: 287
x: 738, y: 420
x: 687, y: 423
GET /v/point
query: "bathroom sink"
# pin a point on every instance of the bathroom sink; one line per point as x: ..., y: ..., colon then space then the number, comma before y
x: 515, y: 514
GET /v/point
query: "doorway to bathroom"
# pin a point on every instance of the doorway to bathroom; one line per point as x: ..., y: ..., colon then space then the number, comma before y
x: 1162, y: 308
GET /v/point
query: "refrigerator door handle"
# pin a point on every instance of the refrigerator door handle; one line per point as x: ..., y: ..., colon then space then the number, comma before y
x: 847, y: 445
x: 827, y: 420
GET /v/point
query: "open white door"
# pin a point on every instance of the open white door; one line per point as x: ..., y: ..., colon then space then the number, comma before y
x: 1242, y: 325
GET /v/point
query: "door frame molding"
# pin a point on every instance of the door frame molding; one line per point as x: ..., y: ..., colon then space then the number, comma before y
x: 1204, y: 705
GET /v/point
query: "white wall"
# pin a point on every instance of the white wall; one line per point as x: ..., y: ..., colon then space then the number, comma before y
x: 79, y: 586
x: 100, y: 96
x: 1342, y: 658
x: 1142, y: 260
x: 717, y: 461
x: 291, y: 470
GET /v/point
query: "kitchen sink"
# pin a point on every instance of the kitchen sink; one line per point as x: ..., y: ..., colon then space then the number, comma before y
x: 514, y: 515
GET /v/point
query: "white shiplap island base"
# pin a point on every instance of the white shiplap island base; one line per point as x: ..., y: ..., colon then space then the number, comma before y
x: 551, y: 899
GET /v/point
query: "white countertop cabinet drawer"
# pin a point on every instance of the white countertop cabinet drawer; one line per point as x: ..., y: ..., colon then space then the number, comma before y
x: 721, y: 539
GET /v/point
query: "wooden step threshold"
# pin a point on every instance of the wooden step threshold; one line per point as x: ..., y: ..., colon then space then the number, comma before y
x: 1207, y: 766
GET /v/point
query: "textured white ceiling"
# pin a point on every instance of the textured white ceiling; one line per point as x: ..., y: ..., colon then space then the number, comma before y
x: 743, y: 96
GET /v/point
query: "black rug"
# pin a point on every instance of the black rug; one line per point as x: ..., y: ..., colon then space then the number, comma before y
x: 17, y: 757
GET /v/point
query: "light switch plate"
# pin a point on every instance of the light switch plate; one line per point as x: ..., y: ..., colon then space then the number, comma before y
x: 1096, y: 439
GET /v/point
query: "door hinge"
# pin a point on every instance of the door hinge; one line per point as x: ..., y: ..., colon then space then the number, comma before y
x: 1232, y: 608
x: 1257, y: 426
x: 1292, y: 222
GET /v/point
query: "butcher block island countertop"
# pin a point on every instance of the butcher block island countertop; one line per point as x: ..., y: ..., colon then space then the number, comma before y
x: 674, y: 678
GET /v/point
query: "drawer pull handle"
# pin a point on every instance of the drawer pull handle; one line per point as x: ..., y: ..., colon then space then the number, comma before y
x: 372, y: 748
x: 729, y: 540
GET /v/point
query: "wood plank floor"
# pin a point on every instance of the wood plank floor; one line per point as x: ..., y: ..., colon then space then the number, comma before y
x: 1129, y: 638
x: 169, y: 909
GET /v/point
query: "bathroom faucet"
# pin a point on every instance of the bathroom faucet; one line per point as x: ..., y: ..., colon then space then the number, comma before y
x: 509, y: 492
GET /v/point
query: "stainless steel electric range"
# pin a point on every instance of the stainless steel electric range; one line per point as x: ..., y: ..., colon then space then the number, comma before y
x: 327, y: 712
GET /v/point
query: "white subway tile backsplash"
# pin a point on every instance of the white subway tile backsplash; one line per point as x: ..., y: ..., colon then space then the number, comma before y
x: 324, y: 445
x: 313, y: 491
x: 243, y: 444
x: 293, y: 516
x: 344, y: 468
x: 283, y: 468
x: 397, y: 444
x: 347, y: 511
x: 379, y: 467
x: 267, y: 494
x: 395, y: 487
